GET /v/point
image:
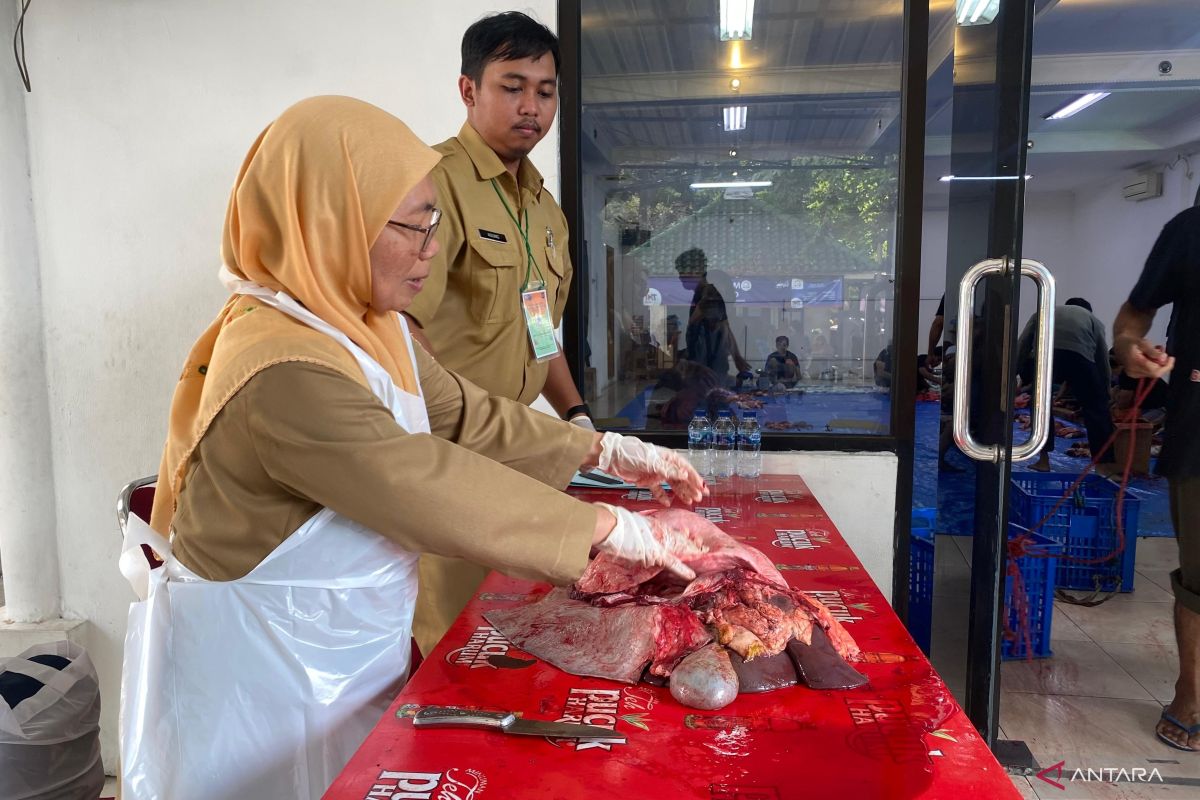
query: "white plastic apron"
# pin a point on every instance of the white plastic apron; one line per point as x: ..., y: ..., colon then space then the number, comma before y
x: 263, y: 687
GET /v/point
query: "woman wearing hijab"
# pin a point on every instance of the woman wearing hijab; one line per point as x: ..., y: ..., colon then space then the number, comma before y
x: 313, y: 452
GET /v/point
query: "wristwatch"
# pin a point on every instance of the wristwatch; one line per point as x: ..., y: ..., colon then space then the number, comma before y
x: 575, y: 411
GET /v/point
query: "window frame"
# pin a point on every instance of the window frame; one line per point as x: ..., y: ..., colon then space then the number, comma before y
x: 902, y: 419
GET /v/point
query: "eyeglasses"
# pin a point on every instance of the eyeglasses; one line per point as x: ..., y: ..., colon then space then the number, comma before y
x: 429, y: 230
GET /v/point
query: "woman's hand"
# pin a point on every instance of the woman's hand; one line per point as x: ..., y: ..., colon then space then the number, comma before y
x: 644, y: 541
x: 649, y: 466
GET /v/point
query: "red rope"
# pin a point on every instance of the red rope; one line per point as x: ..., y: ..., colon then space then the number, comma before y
x: 1019, y: 546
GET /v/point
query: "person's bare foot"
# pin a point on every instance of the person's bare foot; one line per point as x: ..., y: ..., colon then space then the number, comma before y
x: 1182, y: 730
x: 1042, y: 464
x: 1108, y: 469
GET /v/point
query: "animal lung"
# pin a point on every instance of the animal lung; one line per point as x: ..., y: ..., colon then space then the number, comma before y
x: 615, y: 621
x: 615, y: 643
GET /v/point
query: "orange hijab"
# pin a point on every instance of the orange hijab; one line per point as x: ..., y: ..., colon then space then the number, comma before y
x: 313, y: 194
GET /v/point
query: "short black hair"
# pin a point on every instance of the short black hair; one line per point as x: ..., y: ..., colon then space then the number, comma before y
x: 779, y: 339
x: 506, y: 37
x: 692, y: 262
x: 1079, y: 301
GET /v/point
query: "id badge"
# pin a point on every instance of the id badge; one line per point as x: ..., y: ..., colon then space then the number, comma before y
x: 539, y: 324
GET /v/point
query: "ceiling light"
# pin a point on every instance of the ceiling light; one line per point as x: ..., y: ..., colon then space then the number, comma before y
x: 976, y: 12
x: 735, y: 55
x: 735, y: 84
x: 734, y: 173
x: 737, y: 19
x: 732, y: 185
x: 1078, y: 104
x: 733, y: 153
x: 948, y: 178
x: 735, y: 118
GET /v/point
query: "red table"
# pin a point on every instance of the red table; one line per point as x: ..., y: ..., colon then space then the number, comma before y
x: 900, y: 736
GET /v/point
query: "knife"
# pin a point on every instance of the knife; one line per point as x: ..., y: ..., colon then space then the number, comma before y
x: 600, y: 477
x: 508, y: 722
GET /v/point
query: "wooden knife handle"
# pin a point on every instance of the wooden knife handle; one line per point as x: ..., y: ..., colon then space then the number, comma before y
x: 452, y: 717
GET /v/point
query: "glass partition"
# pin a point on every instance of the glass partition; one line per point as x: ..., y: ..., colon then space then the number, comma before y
x: 739, y: 212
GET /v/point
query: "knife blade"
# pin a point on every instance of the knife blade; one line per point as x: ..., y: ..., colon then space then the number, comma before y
x: 508, y: 722
x: 600, y: 477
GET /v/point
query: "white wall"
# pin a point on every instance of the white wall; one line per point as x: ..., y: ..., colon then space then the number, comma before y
x: 27, y: 524
x: 1094, y: 241
x: 1113, y: 236
x: 858, y: 491
x: 141, y: 113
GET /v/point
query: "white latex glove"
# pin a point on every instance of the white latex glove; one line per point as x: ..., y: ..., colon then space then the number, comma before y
x: 646, y: 542
x: 583, y: 421
x: 649, y: 466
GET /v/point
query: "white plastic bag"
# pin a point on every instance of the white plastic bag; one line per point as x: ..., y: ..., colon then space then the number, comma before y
x: 50, y: 741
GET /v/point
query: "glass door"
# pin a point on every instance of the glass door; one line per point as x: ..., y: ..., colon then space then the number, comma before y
x: 979, y: 96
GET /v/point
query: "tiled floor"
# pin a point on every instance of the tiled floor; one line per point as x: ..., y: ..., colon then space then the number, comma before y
x: 1094, y: 703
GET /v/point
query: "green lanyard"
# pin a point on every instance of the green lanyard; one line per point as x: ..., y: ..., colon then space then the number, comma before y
x: 531, y: 262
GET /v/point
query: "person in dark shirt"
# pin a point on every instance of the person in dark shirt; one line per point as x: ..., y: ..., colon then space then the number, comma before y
x: 783, y: 366
x: 708, y: 335
x: 927, y: 379
x: 883, y: 367
x: 1171, y: 276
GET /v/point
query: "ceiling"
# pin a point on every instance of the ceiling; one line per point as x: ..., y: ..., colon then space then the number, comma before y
x: 822, y: 77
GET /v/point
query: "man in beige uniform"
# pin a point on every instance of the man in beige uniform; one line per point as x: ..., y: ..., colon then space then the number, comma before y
x: 502, y: 234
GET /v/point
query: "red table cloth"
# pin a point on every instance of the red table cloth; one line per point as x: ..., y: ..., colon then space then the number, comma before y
x: 900, y: 736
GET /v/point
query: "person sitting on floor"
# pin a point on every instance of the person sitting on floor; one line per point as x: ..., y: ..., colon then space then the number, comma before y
x: 883, y: 367
x: 783, y: 366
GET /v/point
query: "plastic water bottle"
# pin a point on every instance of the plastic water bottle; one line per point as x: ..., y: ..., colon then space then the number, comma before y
x: 724, y: 442
x: 700, y: 444
x: 749, y: 441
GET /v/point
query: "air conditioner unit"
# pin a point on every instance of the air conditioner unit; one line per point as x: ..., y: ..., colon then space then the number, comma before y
x: 1144, y: 186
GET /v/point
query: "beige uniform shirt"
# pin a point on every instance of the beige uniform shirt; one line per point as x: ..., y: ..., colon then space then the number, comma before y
x: 298, y: 437
x: 470, y: 307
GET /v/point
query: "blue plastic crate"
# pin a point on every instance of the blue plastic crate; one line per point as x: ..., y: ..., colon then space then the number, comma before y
x: 1086, y: 526
x: 920, y: 577
x: 1037, y: 577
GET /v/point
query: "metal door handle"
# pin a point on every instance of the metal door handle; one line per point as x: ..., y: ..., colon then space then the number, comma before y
x: 962, y: 370
x: 1040, y: 408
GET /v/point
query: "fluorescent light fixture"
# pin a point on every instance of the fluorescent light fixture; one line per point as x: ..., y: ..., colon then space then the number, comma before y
x: 737, y: 19
x: 976, y: 12
x: 735, y: 118
x: 733, y: 185
x: 1078, y: 104
x: 948, y: 178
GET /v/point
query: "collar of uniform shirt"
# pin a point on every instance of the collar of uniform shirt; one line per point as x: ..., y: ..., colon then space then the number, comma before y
x: 489, y: 165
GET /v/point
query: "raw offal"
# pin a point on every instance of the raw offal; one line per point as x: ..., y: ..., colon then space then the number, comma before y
x: 705, y: 679
x: 763, y: 674
x: 754, y: 617
x: 821, y: 666
x: 606, y: 575
x: 616, y: 620
x: 614, y: 643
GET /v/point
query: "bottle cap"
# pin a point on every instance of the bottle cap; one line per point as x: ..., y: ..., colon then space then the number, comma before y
x: 700, y: 414
x: 724, y: 412
x: 750, y: 415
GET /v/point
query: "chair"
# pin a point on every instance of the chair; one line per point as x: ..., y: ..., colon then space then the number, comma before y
x: 137, y: 498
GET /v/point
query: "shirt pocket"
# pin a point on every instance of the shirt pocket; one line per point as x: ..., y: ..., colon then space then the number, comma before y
x: 496, y: 275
